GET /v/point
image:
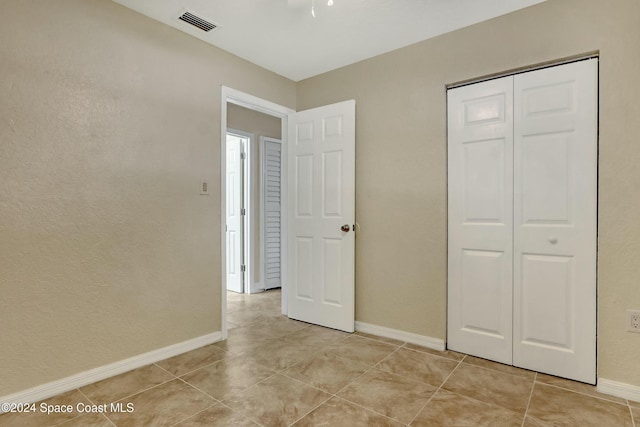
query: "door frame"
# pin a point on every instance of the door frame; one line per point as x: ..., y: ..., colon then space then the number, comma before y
x: 233, y: 96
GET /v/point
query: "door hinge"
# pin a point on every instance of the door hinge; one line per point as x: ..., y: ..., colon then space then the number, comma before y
x: 243, y: 268
x: 243, y: 156
x: 243, y: 211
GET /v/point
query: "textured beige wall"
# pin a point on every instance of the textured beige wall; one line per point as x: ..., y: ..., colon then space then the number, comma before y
x: 259, y: 124
x: 401, y: 160
x: 108, y: 122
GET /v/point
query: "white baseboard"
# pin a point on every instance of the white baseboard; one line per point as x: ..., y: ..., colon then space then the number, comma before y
x: 81, y: 379
x: 381, y: 331
x: 615, y: 388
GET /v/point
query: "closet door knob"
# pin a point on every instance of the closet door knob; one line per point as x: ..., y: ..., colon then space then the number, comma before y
x: 345, y: 228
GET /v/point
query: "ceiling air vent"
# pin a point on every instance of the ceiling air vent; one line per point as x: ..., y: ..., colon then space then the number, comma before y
x: 196, y: 21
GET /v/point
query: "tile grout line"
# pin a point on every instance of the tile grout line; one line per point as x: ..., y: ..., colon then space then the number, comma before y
x: 436, y: 391
x: 148, y: 388
x: 130, y: 395
x: 170, y: 373
x: 95, y: 403
x: 370, y: 410
x: 431, y: 354
x: 526, y: 411
x: 282, y: 373
x: 581, y: 393
x: 499, y: 371
x: 357, y: 404
x: 386, y: 357
x: 70, y: 419
x: 373, y: 338
x: 312, y: 409
x: 412, y: 378
x: 218, y: 402
x: 193, y: 415
x: 226, y: 355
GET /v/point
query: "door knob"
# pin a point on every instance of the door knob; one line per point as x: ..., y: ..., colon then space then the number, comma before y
x: 553, y: 240
x: 345, y: 228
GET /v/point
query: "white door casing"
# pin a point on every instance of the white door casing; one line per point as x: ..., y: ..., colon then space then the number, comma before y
x: 480, y: 207
x: 234, y: 219
x: 321, y: 187
x: 555, y: 220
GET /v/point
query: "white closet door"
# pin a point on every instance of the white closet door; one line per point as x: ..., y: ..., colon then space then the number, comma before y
x: 480, y: 227
x: 555, y: 149
x: 272, y: 219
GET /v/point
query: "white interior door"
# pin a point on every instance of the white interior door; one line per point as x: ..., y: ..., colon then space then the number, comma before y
x: 235, y: 238
x: 555, y: 153
x: 321, y: 213
x: 271, y: 213
x: 480, y: 224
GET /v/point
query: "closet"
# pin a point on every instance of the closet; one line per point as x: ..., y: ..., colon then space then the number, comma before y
x: 522, y: 219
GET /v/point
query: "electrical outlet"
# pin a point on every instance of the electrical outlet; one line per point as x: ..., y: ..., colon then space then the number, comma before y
x: 633, y: 321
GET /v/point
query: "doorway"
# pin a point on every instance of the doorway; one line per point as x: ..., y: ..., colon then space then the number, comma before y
x: 254, y: 188
x: 240, y: 110
x: 239, y: 214
x: 320, y: 161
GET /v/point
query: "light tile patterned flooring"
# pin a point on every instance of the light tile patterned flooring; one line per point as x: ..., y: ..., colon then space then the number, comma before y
x: 273, y: 371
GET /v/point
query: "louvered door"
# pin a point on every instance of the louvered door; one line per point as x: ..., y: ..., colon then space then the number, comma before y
x: 272, y: 192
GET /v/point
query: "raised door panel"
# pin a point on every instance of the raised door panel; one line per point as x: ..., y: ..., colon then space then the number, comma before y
x: 548, y: 288
x: 484, y: 181
x: 480, y: 294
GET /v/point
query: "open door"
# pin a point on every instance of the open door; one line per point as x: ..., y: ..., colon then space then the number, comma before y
x: 321, y: 212
x: 234, y: 215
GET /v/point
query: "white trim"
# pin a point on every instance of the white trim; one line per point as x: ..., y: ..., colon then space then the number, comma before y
x: 615, y: 388
x: 81, y: 379
x: 267, y: 107
x: 410, y: 337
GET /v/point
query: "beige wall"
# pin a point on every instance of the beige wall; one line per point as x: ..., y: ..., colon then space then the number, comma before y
x: 401, y: 160
x: 258, y: 124
x: 108, y: 122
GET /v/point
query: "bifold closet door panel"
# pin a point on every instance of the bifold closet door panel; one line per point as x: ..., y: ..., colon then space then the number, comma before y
x: 555, y: 208
x: 480, y: 219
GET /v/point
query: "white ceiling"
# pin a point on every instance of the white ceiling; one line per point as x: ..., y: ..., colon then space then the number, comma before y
x: 282, y: 36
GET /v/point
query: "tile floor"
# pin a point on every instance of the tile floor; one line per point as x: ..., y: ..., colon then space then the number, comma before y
x: 273, y: 371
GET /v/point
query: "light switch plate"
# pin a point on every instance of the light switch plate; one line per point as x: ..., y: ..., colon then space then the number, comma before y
x: 204, y: 187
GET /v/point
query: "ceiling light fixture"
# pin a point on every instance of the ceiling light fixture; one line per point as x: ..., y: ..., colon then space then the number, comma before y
x: 330, y: 3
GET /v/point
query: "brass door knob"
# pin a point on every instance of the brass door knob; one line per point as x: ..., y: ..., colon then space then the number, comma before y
x: 345, y: 228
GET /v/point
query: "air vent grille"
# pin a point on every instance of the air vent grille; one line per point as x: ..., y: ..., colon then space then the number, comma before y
x: 196, y: 21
